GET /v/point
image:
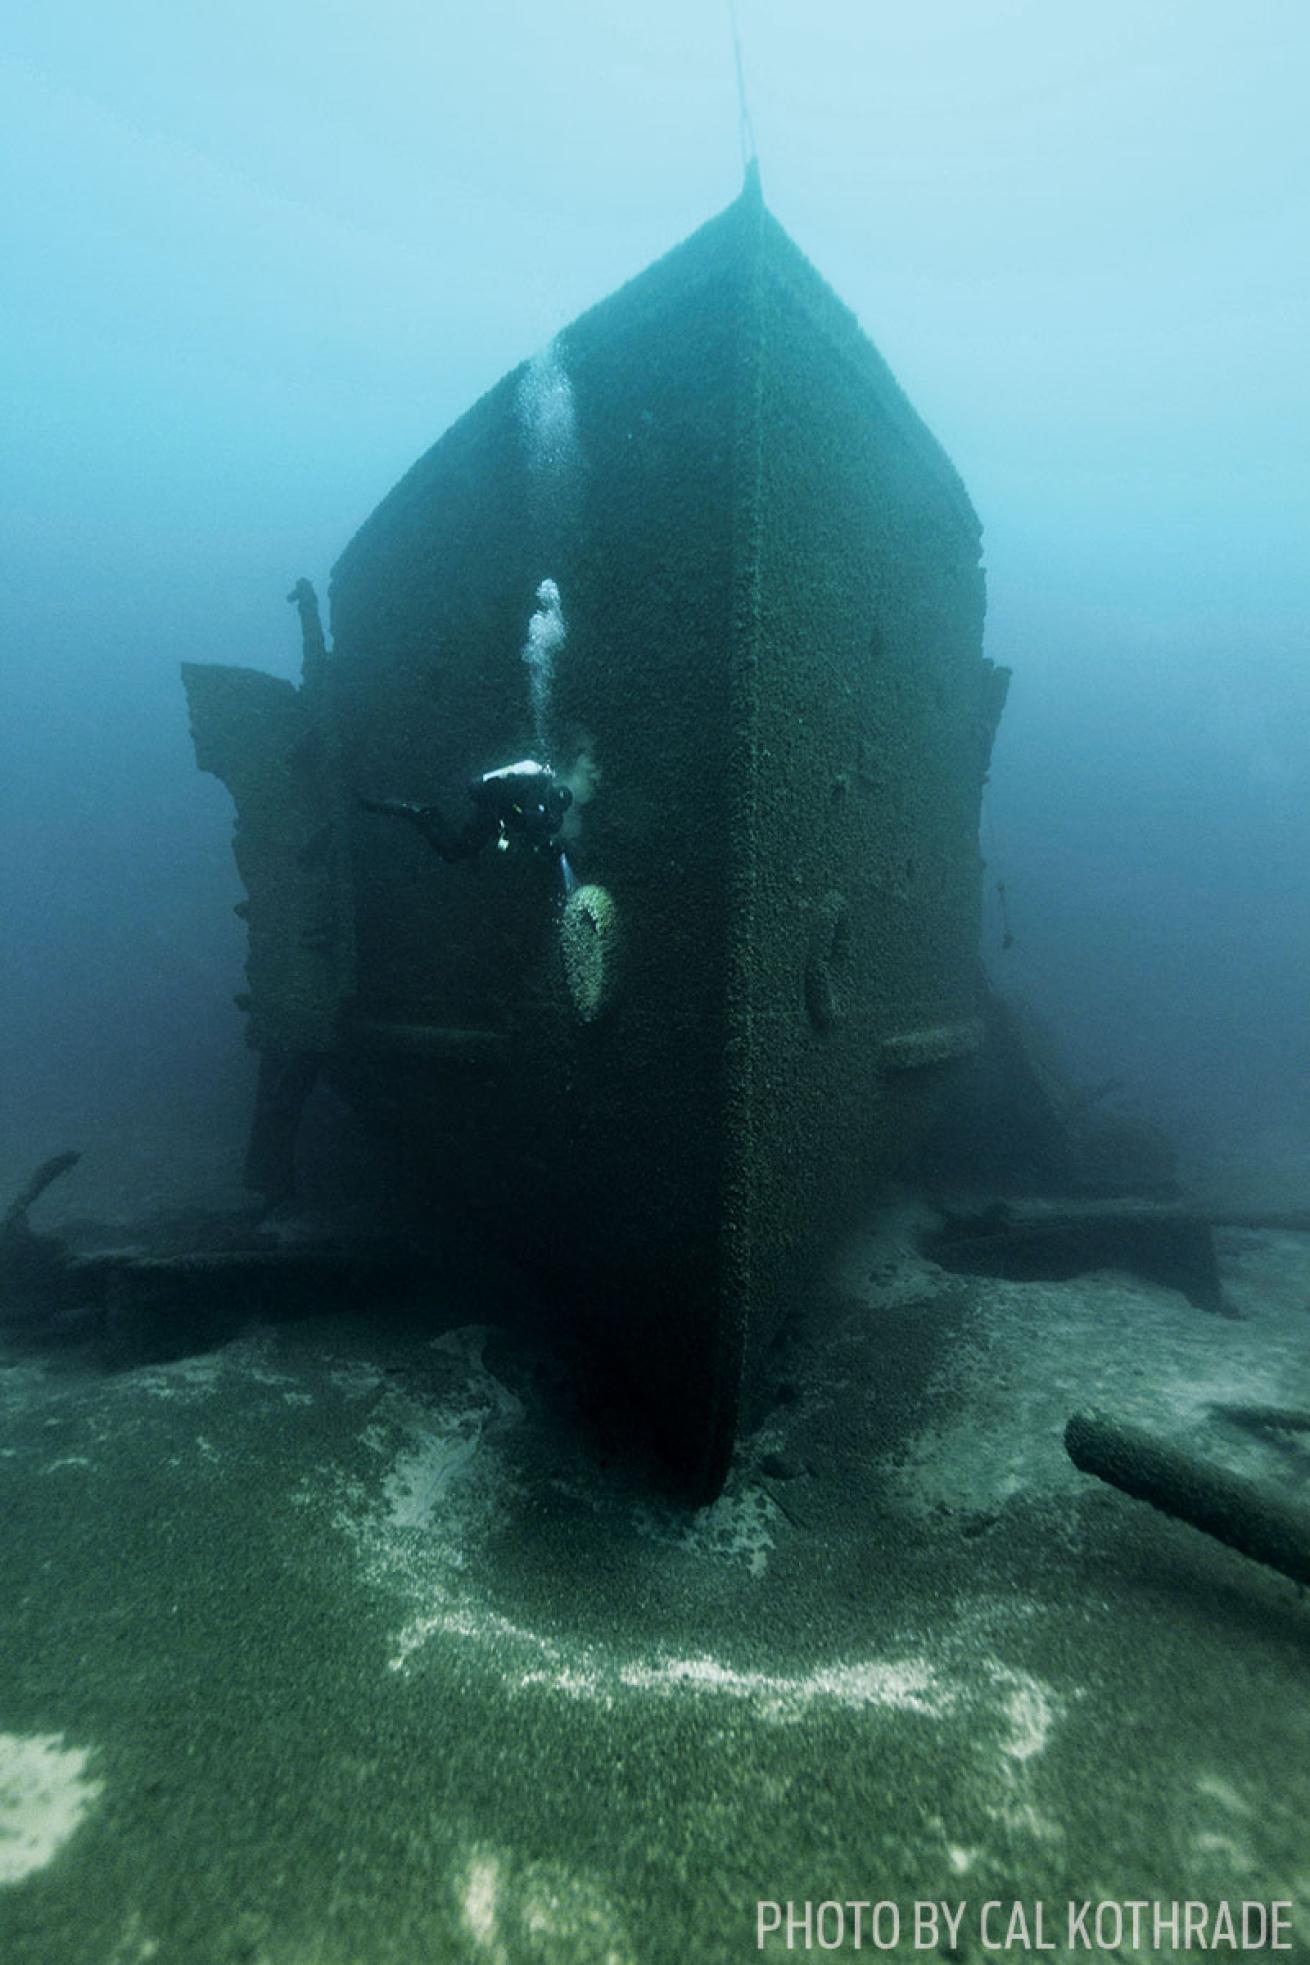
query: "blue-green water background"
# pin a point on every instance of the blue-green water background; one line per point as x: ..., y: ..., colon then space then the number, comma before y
x: 259, y: 257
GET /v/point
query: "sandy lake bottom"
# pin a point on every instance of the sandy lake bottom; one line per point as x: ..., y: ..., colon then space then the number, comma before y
x: 339, y: 1643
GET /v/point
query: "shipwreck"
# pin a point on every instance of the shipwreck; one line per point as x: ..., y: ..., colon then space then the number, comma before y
x: 685, y: 615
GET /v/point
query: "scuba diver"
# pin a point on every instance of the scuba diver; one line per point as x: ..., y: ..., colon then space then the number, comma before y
x: 520, y: 801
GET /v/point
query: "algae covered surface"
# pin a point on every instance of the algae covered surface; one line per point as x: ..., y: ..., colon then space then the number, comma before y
x: 353, y: 1641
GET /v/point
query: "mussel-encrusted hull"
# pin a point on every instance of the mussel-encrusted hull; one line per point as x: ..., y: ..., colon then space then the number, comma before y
x: 764, y: 679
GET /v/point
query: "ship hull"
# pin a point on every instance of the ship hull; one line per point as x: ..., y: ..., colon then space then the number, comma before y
x: 764, y: 679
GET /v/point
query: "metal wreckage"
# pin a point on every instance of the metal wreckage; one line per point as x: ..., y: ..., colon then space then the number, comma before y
x: 618, y: 862
x: 694, y: 601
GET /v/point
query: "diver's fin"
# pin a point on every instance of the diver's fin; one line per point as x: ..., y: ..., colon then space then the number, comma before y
x: 427, y: 820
